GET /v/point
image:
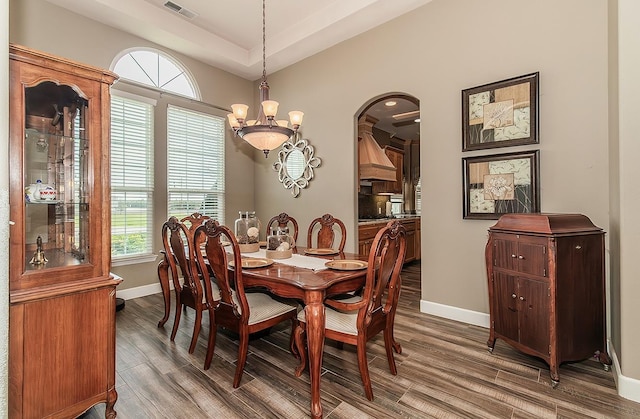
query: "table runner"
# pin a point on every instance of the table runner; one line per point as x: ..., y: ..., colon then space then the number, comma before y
x: 300, y: 261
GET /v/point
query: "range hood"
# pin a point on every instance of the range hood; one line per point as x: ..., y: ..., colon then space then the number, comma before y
x: 373, y: 163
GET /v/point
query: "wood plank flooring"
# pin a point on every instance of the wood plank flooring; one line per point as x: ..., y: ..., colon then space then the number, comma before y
x: 444, y: 371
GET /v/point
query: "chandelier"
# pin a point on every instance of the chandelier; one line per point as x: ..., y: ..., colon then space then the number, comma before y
x: 266, y: 132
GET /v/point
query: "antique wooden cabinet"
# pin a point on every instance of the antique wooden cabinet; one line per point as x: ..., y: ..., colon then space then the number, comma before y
x: 547, y: 287
x: 62, y: 296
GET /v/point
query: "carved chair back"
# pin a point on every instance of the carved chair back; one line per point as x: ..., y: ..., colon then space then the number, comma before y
x: 284, y: 220
x: 326, y: 227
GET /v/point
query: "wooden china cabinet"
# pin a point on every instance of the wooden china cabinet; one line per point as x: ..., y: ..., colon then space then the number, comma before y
x: 547, y: 287
x: 62, y: 296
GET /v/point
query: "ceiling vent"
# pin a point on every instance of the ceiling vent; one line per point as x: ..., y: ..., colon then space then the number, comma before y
x: 373, y: 163
x: 180, y: 10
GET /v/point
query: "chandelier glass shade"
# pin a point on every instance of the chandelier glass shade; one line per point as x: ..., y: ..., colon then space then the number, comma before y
x: 265, y: 132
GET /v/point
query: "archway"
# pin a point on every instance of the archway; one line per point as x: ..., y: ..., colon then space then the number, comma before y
x: 388, y: 161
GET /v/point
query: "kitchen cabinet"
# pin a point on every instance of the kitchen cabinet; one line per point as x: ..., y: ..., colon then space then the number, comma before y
x: 368, y: 231
x: 410, y: 228
x: 397, y: 159
x: 547, y: 287
x: 61, y: 293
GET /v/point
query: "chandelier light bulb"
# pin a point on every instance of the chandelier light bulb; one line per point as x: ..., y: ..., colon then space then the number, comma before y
x: 240, y: 111
x: 296, y: 118
x: 270, y: 108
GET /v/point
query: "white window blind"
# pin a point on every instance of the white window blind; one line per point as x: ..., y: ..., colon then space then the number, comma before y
x: 131, y: 177
x: 195, y: 163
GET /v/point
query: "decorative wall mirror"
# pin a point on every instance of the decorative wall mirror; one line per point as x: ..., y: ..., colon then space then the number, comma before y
x: 295, y: 164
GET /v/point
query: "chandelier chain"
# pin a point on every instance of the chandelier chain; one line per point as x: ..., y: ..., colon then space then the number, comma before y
x: 264, y: 43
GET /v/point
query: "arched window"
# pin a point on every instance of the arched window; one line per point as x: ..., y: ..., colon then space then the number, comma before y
x: 156, y: 69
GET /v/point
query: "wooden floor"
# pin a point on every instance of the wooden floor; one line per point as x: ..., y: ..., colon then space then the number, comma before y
x: 444, y: 371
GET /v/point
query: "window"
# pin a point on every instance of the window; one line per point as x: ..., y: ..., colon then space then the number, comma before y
x: 195, y: 163
x: 131, y: 177
x: 156, y: 70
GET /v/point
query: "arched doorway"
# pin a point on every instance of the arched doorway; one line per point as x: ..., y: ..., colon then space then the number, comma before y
x: 388, y: 161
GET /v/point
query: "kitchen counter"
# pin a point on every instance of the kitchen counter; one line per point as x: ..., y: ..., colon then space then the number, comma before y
x: 367, y: 229
x: 368, y: 221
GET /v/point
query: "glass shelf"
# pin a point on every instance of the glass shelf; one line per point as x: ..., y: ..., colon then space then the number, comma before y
x: 55, y: 162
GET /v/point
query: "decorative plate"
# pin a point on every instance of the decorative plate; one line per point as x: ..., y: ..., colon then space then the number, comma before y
x: 346, y: 264
x: 321, y: 252
x: 248, y: 263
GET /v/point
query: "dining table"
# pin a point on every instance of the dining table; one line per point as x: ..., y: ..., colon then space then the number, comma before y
x: 288, y: 279
x: 306, y: 278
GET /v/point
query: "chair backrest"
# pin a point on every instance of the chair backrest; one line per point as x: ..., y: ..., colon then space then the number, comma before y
x: 232, y: 305
x: 326, y: 233
x: 194, y: 220
x: 382, y: 285
x: 177, y: 240
x: 284, y: 220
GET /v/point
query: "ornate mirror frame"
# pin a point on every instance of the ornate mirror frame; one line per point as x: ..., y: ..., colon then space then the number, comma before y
x: 300, y: 150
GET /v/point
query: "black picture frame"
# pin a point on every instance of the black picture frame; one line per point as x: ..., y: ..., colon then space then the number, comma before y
x: 514, y: 177
x: 501, y: 114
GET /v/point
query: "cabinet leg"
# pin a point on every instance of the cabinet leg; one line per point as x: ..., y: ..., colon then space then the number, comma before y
x: 604, y: 359
x: 491, y: 343
x: 555, y: 376
x: 110, y: 412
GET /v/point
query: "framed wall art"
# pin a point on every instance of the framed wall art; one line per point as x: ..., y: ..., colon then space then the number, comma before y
x: 500, y: 114
x: 501, y: 183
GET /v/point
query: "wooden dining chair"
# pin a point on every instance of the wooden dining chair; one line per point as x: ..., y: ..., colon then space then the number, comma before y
x: 358, y: 319
x: 284, y: 220
x: 177, y: 238
x: 234, y: 309
x: 324, y: 230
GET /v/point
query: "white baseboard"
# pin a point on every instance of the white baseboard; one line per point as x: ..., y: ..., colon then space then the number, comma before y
x: 629, y: 388
x: 143, y: 291
x: 455, y: 313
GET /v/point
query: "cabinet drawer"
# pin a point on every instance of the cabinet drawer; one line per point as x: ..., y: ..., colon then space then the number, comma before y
x: 525, y: 254
x: 369, y: 231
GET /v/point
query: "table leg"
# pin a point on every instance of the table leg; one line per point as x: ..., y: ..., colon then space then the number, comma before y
x: 315, y: 316
x: 163, y: 277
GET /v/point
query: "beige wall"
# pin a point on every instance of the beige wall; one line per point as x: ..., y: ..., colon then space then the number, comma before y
x: 628, y: 151
x: 4, y: 207
x: 433, y: 53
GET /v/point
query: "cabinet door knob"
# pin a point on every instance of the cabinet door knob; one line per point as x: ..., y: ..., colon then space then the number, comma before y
x: 578, y: 247
x: 513, y: 296
x: 513, y: 256
x: 521, y: 298
x: 520, y: 257
x: 12, y: 223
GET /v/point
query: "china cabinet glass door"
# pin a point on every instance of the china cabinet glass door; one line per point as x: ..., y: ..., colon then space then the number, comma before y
x: 56, y: 155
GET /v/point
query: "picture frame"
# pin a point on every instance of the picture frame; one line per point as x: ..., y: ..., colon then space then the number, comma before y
x: 498, y: 184
x: 501, y: 114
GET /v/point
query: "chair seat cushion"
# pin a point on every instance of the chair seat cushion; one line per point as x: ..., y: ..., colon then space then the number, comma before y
x: 339, y: 321
x: 263, y: 307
